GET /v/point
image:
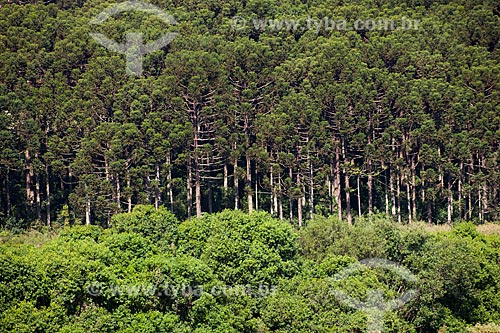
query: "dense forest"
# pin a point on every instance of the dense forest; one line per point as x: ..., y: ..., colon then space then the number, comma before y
x: 245, y: 165
x: 146, y: 274
x: 292, y: 121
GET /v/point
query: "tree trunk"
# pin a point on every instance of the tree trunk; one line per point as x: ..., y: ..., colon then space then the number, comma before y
x: 336, y: 183
x: 280, y: 198
x: 38, y: 198
x: 347, y: 187
x: 485, y: 196
x: 47, y: 191
x: 118, y: 194
x: 347, y: 197
x: 359, y: 195
x: 398, y: 193
x: 393, y: 196
x: 256, y: 194
x: 30, y: 194
x: 290, y: 197
x: 460, y: 191
x: 386, y: 193
x: 87, y: 207
x: 299, y: 201
x: 197, y: 176
x: 429, y: 211
x: 157, y: 185
x: 189, y: 190
x: 249, y: 183
x: 274, y: 200
x: 370, y: 193
x: 236, y: 181
x: 414, y: 190
x: 450, y: 201
x: 225, y: 182
x: 329, y: 184
x: 129, y: 188
x: 311, y: 190
x: 198, y: 191
x: 408, y: 199
x: 480, y: 206
x: 236, y: 184
x: 170, y: 192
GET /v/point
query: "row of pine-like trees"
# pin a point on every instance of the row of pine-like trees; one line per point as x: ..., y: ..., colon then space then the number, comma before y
x: 403, y: 122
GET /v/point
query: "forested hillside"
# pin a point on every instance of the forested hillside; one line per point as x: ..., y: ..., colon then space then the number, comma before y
x: 233, y: 272
x: 290, y: 121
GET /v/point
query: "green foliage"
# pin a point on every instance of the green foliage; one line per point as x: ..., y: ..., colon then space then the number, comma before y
x: 240, y: 248
x: 237, y: 272
x: 325, y: 236
x: 155, y: 224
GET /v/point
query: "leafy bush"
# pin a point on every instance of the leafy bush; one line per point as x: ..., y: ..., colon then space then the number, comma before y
x: 241, y: 248
x: 156, y: 224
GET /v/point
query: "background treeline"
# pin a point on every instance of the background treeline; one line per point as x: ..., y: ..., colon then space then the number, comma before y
x: 290, y: 122
x: 45, y: 281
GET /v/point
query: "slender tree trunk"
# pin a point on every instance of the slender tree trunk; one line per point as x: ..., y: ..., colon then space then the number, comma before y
x: 398, y: 193
x: 236, y: 181
x: 429, y: 211
x: 393, y: 196
x: 87, y: 207
x: 256, y: 193
x: 198, y: 192
x: 274, y: 199
x: 299, y: 201
x: 311, y: 190
x: 337, y: 183
x: 225, y: 185
x: 38, y: 198
x: 370, y: 192
x: 30, y: 194
x: 280, y: 198
x: 170, y: 192
x: 249, y: 183
x: 469, y: 208
x: 106, y: 168
x: 129, y: 188
x: 148, y: 188
x: 386, y: 193
x: 359, y: 195
x: 347, y: 197
x: 329, y: 184
x: 157, y: 185
x: 450, y: 200
x: 347, y: 187
x: 290, y: 197
x: 47, y: 191
x: 225, y: 182
x: 118, y: 194
x: 480, y: 206
x: 197, y: 176
x: 189, y: 190
x: 414, y: 190
x: 408, y: 199
x: 485, y: 196
x: 460, y: 191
